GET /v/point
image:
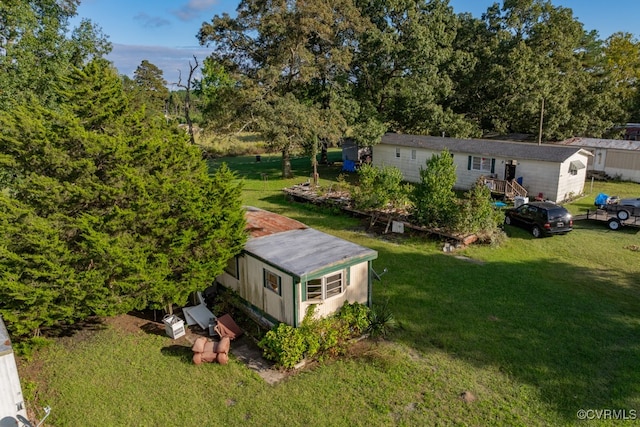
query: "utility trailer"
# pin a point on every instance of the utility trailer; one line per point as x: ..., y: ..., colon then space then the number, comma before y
x: 612, y: 220
x: 615, y: 212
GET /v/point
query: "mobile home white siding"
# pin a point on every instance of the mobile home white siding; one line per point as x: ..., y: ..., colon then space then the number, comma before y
x: 250, y: 286
x: 615, y: 157
x: 625, y: 165
x: 552, y: 178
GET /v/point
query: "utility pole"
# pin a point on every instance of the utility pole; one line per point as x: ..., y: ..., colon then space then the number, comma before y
x: 541, y: 119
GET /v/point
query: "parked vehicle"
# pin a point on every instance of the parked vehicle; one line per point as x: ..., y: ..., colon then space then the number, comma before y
x: 631, y: 202
x: 541, y: 218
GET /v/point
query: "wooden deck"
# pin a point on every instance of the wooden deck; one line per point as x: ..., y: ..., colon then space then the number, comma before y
x: 509, y: 189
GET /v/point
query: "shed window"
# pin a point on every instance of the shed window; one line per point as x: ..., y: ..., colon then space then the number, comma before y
x: 325, y: 287
x: 575, y: 166
x: 414, y: 155
x: 397, y: 152
x: 484, y: 164
x: 272, y: 282
x: 232, y: 267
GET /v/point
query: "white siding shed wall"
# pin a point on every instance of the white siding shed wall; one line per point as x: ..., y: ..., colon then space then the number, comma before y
x: 356, y: 291
x: 250, y: 286
x: 11, y: 399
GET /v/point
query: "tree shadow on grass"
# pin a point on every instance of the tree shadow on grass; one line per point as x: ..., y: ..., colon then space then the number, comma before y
x: 67, y: 330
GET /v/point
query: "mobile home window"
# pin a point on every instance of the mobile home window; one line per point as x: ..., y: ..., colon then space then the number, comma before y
x: 481, y: 164
x: 325, y: 287
x: 272, y: 282
x: 413, y: 154
x: 232, y: 267
x: 397, y: 152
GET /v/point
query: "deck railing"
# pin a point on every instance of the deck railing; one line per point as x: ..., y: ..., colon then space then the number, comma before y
x: 510, y: 189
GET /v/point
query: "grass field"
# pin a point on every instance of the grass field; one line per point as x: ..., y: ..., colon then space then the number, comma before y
x: 535, y: 329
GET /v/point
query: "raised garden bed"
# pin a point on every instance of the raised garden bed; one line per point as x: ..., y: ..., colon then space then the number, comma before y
x: 307, y: 193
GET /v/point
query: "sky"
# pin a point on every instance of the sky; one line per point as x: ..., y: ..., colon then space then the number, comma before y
x: 164, y: 31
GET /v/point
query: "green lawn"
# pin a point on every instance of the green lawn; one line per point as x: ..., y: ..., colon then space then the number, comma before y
x: 535, y: 329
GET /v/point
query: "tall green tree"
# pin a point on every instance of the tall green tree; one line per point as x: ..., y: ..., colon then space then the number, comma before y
x: 149, y: 89
x: 132, y: 218
x: 286, y: 56
x: 622, y: 53
x: 434, y: 201
x: 38, y: 46
x: 404, y: 66
x: 529, y: 51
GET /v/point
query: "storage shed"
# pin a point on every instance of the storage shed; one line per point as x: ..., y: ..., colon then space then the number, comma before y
x: 618, y: 158
x: 286, y: 266
x: 555, y: 172
x: 12, y: 406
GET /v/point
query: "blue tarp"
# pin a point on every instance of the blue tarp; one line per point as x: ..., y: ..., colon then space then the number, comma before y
x: 349, y: 166
x: 601, y: 199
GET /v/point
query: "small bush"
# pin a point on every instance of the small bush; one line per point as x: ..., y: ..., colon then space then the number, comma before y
x: 284, y: 345
x: 315, y: 338
x: 476, y: 212
x: 381, y: 321
x: 379, y: 188
x: 26, y: 348
x: 356, y: 316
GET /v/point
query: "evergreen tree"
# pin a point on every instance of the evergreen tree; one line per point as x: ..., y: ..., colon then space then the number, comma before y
x: 149, y: 89
x: 132, y: 218
x: 433, y: 197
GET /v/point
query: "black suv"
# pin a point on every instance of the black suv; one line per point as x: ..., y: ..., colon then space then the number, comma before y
x: 542, y: 218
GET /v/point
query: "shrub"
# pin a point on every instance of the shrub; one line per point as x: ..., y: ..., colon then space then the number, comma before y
x: 315, y: 338
x: 284, y: 345
x: 476, y: 213
x: 356, y: 316
x: 379, y: 188
x: 381, y: 322
x: 433, y: 197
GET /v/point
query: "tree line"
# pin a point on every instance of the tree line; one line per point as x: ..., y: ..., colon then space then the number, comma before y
x: 305, y: 74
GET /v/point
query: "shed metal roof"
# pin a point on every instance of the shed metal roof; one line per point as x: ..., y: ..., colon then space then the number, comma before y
x: 306, y: 251
x: 616, y: 144
x: 484, y: 147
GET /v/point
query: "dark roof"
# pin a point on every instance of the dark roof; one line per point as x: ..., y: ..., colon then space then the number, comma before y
x: 617, y: 144
x: 484, y: 147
